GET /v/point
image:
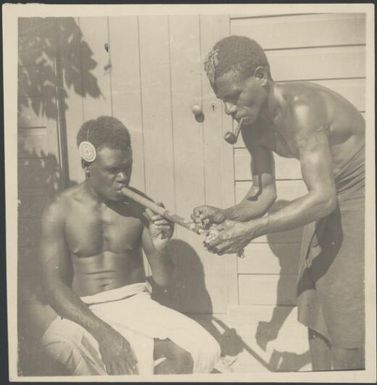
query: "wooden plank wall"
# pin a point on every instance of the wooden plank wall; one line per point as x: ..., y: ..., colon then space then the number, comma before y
x: 328, y: 49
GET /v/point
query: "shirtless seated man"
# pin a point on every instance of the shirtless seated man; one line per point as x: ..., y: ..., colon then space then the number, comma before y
x: 93, y: 273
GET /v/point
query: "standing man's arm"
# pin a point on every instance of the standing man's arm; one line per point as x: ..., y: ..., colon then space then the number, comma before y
x: 316, y: 166
x: 262, y: 193
x: 259, y: 198
x: 57, y: 277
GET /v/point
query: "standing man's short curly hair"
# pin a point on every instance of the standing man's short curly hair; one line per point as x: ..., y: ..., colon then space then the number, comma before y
x: 237, y: 53
x: 105, y: 131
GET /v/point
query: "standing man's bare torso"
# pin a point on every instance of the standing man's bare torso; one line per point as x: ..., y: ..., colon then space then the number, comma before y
x: 338, y: 118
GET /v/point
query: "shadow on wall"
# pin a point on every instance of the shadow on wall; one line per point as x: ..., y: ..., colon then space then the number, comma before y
x: 52, y: 58
x: 53, y: 55
x: 288, y: 256
x: 189, y: 292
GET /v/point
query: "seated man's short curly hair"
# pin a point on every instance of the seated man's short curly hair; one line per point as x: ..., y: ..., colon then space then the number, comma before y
x: 237, y: 53
x: 105, y: 131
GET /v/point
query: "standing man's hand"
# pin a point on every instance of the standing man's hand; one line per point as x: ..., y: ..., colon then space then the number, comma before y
x: 205, y: 216
x: 116, y: 353
x: 230, y: 237
x: 160, y: 229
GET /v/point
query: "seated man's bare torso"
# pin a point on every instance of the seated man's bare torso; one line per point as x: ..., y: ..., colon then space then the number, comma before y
x: 104, y: 242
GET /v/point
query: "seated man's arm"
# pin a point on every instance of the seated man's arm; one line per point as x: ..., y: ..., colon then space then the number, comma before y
x: 156, y: 235
x: 262, y: 193
x: 57, y: 278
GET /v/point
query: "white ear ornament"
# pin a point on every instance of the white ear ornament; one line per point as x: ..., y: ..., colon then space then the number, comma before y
x: 87, y: 151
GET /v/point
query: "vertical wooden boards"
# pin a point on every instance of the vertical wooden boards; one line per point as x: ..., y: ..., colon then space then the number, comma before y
x: 184, y: 165
x: 88, y: 102
x: 74, y: 115
x: 126, y: 87
x: 190, y: 169
x: 156, y: 105
x: 218, y: 161
x: 186, y: 91
x: 184, y: 51
x: 95, y: 34
x: 126, y: 91
x: 217, y: 153
x: 156, y: 115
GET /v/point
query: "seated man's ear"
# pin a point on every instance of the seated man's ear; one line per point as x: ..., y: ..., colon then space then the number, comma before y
x: 261, y: 75
x: 85, y: 165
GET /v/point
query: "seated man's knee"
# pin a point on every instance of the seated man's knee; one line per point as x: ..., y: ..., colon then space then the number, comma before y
x: 208, y: 353
x: 211, y: 349
x: 78, y: 357
x: 63, y: 352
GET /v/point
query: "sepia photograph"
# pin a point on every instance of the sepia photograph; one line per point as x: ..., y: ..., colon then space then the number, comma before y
x: 190, y: 192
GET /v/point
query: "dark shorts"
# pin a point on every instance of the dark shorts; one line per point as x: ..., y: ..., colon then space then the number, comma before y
x: 331, y: 272
x: 331, y: 275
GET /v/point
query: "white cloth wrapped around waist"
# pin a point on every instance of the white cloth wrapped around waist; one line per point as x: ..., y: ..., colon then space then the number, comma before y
x: 131, y: 311
x: 117, y: 294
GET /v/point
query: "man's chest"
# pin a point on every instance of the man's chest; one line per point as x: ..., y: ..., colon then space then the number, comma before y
x: 276, y: 139
x: 90, y: 232
x: 283, y: 144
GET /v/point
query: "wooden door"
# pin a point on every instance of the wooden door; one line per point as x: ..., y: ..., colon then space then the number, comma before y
x: 186, y: 163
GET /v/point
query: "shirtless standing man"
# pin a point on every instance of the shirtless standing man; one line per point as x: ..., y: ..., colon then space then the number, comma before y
x: 91, y: 252
x: 327, y: 135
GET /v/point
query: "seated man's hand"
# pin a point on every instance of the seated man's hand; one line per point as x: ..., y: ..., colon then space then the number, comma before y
x: 116, y: 353
x: 205, y: 216
x: 229, y: 237
x: 161, y: 229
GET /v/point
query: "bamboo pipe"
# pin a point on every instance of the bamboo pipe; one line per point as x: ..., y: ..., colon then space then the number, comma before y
x: 159, y: 210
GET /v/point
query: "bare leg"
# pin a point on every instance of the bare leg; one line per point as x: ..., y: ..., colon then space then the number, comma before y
x: 177, y: 360
x: 320, y: 351
x: 348, y: 359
